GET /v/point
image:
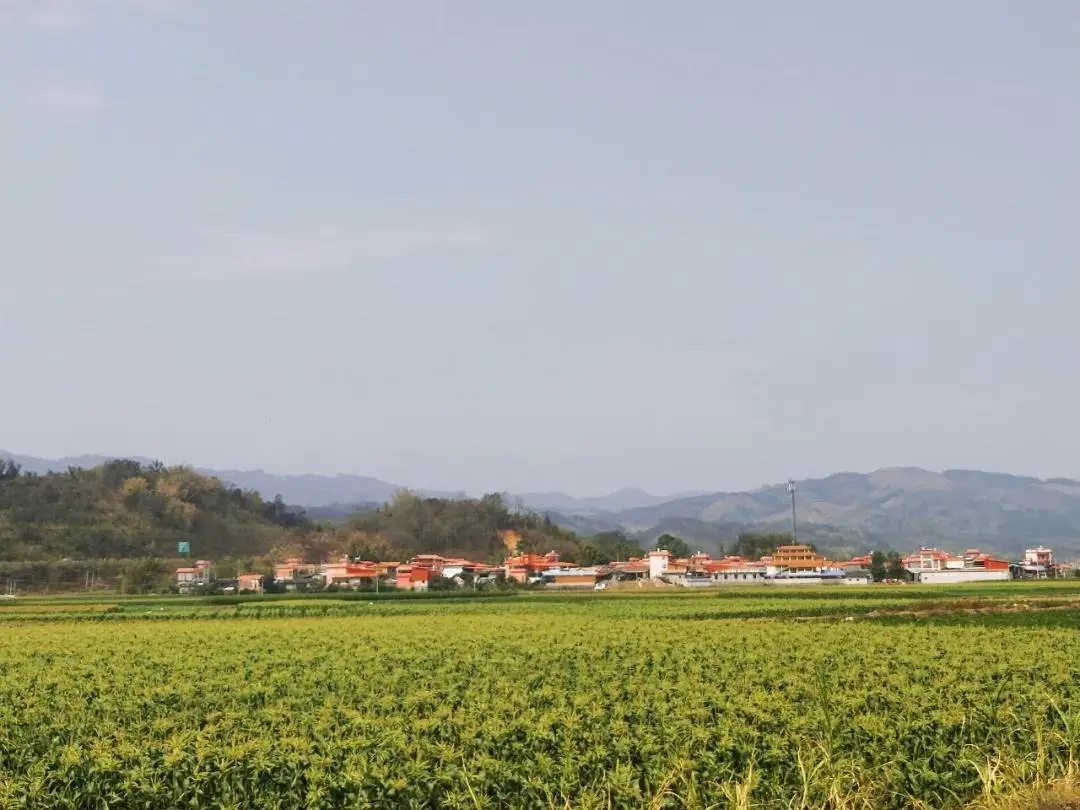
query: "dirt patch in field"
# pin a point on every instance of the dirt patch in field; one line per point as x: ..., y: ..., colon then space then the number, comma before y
x: 639, y: 585
x: 1064, y: 795
x: 955, y: 609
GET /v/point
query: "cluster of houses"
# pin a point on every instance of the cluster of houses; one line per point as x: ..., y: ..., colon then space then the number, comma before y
x: 199, y: 577
x: 788, y: 565
x: 932, y: 565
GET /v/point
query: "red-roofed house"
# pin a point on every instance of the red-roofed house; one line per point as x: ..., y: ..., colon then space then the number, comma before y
x: 344, y: 572
x: 249, y: 582
x: 858, y: 561
x: 414, y: 578
x: 523, y: 566
x: 293, y: 569
x: 191, y: 578
x: 934, y: 566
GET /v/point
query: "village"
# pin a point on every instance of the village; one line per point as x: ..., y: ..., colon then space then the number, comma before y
x: 795, y: 564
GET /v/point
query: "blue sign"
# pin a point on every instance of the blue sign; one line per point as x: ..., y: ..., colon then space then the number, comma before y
x: 183, y: 547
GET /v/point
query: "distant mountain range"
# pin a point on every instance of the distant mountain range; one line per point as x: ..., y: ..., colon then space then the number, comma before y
x: 309, y: 490
x: 898, y: 507
x: 305, y: 490
x: 618, y: 501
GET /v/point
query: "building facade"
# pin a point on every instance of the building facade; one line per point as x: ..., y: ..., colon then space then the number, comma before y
x: 249, y: 582
x: 193, y: 578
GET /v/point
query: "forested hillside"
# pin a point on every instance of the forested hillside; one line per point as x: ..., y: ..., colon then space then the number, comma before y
x: 843, y: 514
x: 481, y: 529
x: 127, y: 509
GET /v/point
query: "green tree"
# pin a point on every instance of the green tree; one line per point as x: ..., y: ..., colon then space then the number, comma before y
x: 678, y: 547
x: 147, y: 574
x: 441, y: 584
x: 473, y: 528
x: 877, y: 566
x: 753, y: 545
x: 895, y: 566
x: 589, y: 554
x: 606, y: 547
x: 277, y: 511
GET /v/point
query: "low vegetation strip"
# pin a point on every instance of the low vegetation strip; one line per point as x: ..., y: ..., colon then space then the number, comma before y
x: 529, y: 702
x: 821, y: 604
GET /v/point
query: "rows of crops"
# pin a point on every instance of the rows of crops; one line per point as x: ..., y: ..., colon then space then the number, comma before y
x: 747, y: 603
x: 532, y: 704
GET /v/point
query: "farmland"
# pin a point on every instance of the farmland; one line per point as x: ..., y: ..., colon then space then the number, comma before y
x: 876, y: 697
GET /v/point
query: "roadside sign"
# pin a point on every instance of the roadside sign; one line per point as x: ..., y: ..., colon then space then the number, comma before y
x: 183, y: 547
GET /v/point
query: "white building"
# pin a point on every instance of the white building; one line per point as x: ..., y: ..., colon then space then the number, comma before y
x: 1039, y: 556
x: 932, y: 566
x: 952, y: 576
x: 658, y: 563
x: 1038, y: 562
x: 453, y: 571
x: 857, y: 578
x: 745, y: 574
x: 930, y: 559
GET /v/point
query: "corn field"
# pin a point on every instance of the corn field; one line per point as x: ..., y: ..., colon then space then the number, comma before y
x: 587, y: 703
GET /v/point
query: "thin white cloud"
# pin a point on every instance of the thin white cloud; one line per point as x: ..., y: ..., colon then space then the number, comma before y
x: 67, y: 98
x: 56, y: 15
x: 254, y: 255
x: 153, y: 6
x: 61, y: 15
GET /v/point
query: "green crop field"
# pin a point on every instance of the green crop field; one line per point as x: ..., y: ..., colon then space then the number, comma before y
x: 860, y: 697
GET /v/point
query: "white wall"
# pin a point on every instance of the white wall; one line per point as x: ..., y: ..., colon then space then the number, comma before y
x: 951, y: 577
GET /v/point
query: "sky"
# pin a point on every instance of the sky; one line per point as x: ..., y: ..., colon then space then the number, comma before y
x: 480, y: 245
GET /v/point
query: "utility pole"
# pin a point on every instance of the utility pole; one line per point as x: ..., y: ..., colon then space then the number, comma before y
x: 791, y: 491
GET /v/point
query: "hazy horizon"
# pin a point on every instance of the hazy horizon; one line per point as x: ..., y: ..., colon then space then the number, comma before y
x: 581, y: 495
x: 543, y: 247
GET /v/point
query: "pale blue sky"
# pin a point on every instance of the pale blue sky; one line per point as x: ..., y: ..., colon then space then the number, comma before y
x: 542, y: 245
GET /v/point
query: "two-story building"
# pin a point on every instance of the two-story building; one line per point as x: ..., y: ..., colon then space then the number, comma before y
x: 344, y: 572
x: 934, y: 566
x: 1038, y: 562
x: 523, y: 567
x: 193, y: 578
x: 249, y: 582
x: 294, y: 570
